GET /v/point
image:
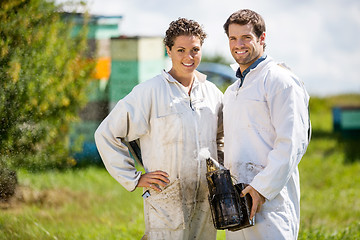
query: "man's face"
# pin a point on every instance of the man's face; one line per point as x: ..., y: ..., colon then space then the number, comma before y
x: 245, y: 47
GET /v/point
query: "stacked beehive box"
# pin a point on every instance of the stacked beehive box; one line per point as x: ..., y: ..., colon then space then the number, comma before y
x: 121, y: 63
x: 101, y: 29
x: 346, y: 121
x: 133, y: 60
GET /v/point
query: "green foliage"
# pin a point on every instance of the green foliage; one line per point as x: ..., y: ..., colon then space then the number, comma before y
x: 43, y: 76
x: 322, y: 123
x: 215, y: 59
x: 87, y: 203
x: 325, y: 104
x: 73, y: 204
x: 8, y: 182
x: 349, y: 233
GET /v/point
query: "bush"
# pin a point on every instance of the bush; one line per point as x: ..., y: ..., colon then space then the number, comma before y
x: 8, y: 182
x: 43, y: 77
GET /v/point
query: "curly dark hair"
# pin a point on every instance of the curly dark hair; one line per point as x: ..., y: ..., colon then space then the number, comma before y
x: 181, y: 27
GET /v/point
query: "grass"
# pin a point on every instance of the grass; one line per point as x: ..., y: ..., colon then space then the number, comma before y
x: 330, y: 205
x: 87, y: 203
x: 76, y: 204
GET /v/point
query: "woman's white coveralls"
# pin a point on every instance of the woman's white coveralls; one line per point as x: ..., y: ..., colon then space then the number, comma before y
x: 172, y: 128
x: 266, y: 133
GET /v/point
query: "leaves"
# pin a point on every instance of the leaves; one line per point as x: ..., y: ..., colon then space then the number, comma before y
x: 42, y: 80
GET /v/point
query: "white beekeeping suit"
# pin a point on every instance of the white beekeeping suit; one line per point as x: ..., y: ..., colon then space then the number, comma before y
x: 266, y: 133
x: 172, y: 128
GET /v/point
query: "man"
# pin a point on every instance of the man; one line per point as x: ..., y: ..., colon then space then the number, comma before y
x: 266, y: 131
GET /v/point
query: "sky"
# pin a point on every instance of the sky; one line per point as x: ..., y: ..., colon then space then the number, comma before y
x: 318, y: 39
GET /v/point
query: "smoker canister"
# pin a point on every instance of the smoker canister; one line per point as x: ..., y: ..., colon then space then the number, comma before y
x: 245, y: 208
x: 229, y: 210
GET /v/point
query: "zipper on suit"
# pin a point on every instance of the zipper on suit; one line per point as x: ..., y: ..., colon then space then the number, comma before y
x: 197, y: 157
x: 191, y: 106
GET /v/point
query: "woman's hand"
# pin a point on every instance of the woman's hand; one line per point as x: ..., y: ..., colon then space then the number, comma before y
x: 154, y: 180
x: 257, y: 199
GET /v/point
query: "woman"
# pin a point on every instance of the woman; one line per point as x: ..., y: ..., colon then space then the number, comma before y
x: 174, y: 115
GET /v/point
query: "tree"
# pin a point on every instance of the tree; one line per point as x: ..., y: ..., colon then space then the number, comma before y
x: 43, y: 77
x: 217, y: 58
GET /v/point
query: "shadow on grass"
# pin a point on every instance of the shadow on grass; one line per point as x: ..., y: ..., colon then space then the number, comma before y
x: 351, y: 149
x: 348, y: 142
x: 317, y: 134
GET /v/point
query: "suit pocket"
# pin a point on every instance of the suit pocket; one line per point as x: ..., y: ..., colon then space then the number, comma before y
x: 165, y: 208
x: 169, y: 128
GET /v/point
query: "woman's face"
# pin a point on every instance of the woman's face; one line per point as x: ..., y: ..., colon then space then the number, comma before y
x: 185, y: 54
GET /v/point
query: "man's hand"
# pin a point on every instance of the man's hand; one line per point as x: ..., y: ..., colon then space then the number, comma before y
x: 154, y: 180
x: 257, y: 199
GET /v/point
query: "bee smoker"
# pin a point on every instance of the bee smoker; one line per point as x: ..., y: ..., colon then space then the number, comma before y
x: 228, y: 209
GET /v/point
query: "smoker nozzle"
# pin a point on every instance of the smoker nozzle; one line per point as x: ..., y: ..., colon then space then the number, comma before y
x: 213, y: 165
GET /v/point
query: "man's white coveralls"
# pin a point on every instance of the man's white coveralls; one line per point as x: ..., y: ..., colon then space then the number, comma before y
x: 172, y: 128
x: 266, y: 133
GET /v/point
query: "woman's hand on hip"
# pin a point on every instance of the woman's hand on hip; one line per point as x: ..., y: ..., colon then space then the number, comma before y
x: 154, y: 180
